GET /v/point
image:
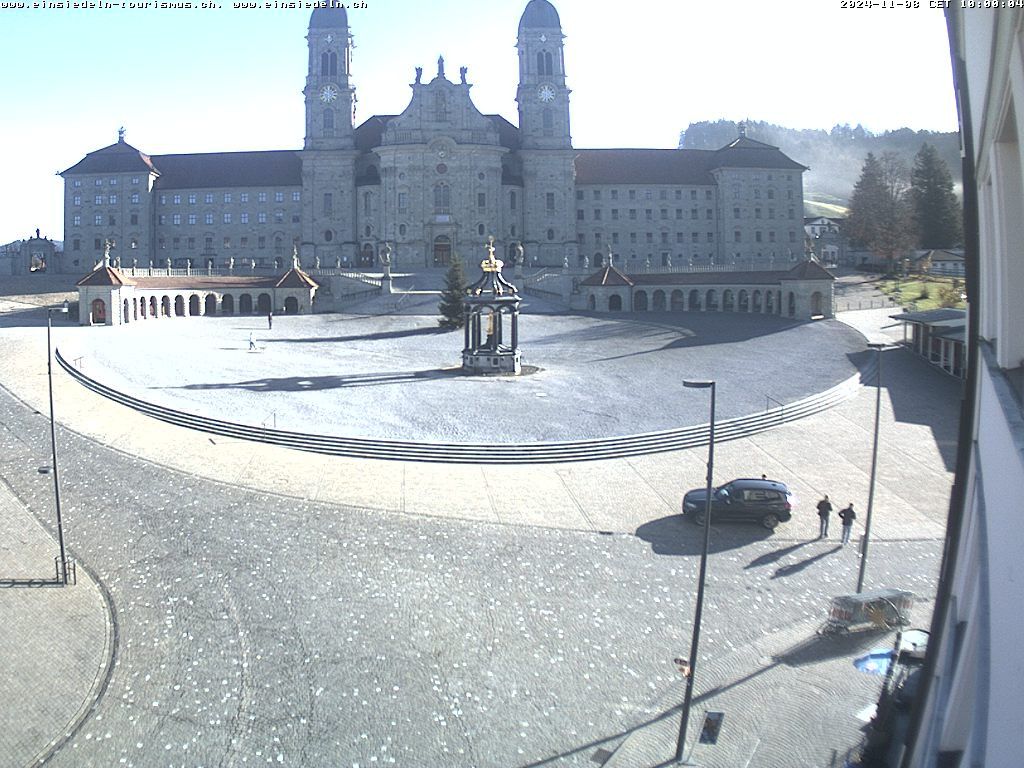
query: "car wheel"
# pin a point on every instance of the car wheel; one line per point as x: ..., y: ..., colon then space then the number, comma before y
x: 770, y: 522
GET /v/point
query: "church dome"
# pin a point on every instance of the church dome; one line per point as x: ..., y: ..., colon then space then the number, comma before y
x: 539, y: 14
x: 328, y: 18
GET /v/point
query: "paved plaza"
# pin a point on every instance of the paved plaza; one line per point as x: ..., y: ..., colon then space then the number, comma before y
x: 397, y: 376
x: 246, y: 604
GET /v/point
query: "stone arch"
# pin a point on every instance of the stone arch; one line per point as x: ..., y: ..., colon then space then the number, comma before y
x: 179, y: 306
x: 640, y: 301
x: 658, y: 302
x: 210, y: 307
x: 791, y: 304
x: 711, y: 300
x: 245, y: 304
x: 193, y: 305
x: 694, y: 300
x: 98, y: 312
x: 728, y: 301
x: 743, y: 300
x: 756, y: 301
x: 263, y: 304
x: 227, y: 304
x: 591, y: 303
x: 291, y: 306
x: 676, y: 301
x: 615, y: 303
x: 142, y: 307
x: 125, y: 315
x: 817, y: 304
x: 165, y: 306
x: 769, y: 302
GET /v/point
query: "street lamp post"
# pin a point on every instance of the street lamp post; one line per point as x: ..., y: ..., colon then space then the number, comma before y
x: 53, y: 444
x: 878, y: 347
x: 698, y: 612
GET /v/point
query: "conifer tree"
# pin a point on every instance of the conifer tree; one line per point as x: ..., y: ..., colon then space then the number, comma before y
x: 880, y: 217
x: 454, y: 292
x: 937, y: 212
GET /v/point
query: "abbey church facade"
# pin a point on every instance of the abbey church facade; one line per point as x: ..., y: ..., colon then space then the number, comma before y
x: 436, y: 180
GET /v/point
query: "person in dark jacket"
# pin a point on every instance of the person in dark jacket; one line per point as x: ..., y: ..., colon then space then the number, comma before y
x: 847, y: 516
x: 824, y: 512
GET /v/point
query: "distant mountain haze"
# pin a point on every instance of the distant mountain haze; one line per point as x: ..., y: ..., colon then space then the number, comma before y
x: 835, y: 157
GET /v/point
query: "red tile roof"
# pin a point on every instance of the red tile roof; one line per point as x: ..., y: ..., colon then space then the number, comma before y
x: 105, y: 276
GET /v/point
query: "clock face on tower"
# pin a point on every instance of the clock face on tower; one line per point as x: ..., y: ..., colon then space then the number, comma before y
x: 546, y: 93
x: 328, y: 94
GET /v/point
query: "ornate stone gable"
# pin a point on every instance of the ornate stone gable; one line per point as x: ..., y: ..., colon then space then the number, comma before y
x: 441, y: 108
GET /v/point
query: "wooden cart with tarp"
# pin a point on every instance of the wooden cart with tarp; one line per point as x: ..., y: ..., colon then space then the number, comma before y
x: 875, y: 609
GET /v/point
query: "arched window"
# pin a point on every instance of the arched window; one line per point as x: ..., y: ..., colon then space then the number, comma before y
x: 480, y: 229
x: 401, y: 230
x: 540, y: 62
x: 548, y: 69
x: 551, y: 234
x: 328, y: 122
x: 328, y: 63
x: 548, y: 122
x: 442, y: 199
x: 367, y: 204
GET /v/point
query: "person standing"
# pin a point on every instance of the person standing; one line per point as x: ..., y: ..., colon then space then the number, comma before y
x: 847, y: 516
x: 824, y: 511
x: 270, y: 320
x: 252, y: 344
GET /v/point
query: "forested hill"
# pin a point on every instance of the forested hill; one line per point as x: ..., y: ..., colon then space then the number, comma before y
x: 835, y: 157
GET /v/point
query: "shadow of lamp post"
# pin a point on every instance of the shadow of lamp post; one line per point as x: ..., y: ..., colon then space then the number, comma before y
x: 699, y: 610
x: 63, y: 573
x: 878, y: 347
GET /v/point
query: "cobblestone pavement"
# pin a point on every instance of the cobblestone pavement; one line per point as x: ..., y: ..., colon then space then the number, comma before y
x: 260, y: 629
x: 257, y: 627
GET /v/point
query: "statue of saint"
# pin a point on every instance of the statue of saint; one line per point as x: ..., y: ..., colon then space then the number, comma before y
x: 419, y: 74
x: 462, y: 74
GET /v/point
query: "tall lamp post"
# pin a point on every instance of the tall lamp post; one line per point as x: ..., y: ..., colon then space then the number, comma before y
x: 53, y: 442
x: 698, y: 612
x: 878, y: 347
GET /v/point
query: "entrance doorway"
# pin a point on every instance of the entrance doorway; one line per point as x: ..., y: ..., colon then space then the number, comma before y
x: 442, y: 251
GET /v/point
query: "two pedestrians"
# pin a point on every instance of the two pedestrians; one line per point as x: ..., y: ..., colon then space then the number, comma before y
x: 824, y: 511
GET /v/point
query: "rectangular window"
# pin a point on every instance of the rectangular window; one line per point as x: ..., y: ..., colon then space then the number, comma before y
x: 261, y: 217
x: 579, y: 194
x: 709, y: 214
x: 735, y: 213
x: 615, y: 238
x: 135, y: 179
x: 227, y: 197
x: 650, y: 237
x: 792, y: 236
x: 99, y: 182
x: 512, y: 202
x: 328, y: 209
x: 679, y: 194
x: 615, y: 214
x: 243, y: 197
x: 279, y: 216
x: 481, y: 199
x: 647, y: 194
x: 77, y: 183
x: 76, y: 245
x: 693, y: 194
x: 135, y: 198
x: 162, y: 244
x: 77, y: 220
x: 615, y: 194
x: 771, y: 194
x: 163, y: 199
x: 664, y: 238
x: 632, y: 237
x: 113, y: 200
x: 597, y: 214
x: 550, y: 201
x: 403, y: 201
x: 192, y: 199
x: 757, y: 213
x: 244, y: 217
x: 98, y: 200
x: 664, y: 214
x: 597, y: 194
x: 175, y: 243
x: 76, y: 200
x: 663, y: 194
x: 711, y: 237
x: 579, y: 214
x: 191, y: 243
x: 296, y: 197
x: 261, y: 197
x: 707, y: 194
x: 736, y: 236
x: 97, y: 244
x: 134, y: 219
x: 632, y: 214
x: 208, y: 218
x: 771, y: 236
x: 279, y: 197
x: 176, y: 219
x: 208, y: 198
x: 176, y: 199
x: 649, y: 214
x: 771, y: 213
x: 597, y: 238
x: 679, y: 213
x: 757, y: 236
x: 694, y: 237
x: 694, y: 213
x: 244, y: 243
x: 159, y: 219
x: 261, y: 242
x: 192, y: 218
x: 632, y: 194
x: 580, y: 238
x: 227, y: 242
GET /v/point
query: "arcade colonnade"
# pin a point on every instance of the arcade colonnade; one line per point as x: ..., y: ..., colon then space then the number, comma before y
x: 108, y: 297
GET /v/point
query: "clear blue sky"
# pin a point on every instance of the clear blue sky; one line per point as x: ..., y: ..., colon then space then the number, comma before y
x: 219, y: 80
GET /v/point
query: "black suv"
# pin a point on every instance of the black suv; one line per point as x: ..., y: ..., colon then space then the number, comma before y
x: 767, y: 502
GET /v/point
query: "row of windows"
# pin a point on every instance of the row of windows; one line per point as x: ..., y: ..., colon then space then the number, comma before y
x: 680, y: 237
x: 227, y: 218
x: 663, y: 214
x: 77, y: 183
x: 228, y: 197
x: 645, y: 194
